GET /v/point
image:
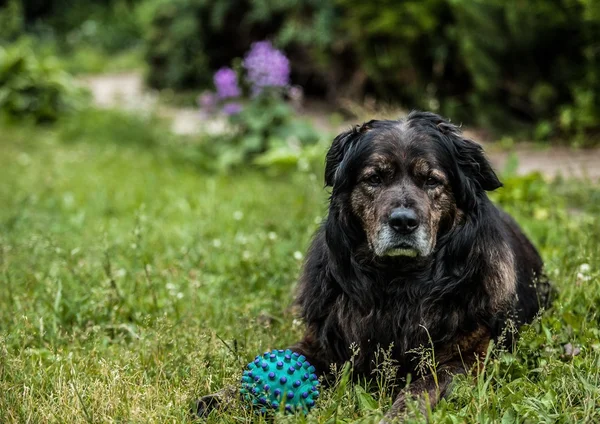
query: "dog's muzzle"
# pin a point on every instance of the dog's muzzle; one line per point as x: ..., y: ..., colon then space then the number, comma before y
x: 402, y: 235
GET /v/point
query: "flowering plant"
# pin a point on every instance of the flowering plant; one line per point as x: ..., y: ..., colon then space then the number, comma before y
x: 256, y: 100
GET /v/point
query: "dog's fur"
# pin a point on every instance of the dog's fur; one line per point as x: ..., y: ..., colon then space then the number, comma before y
x: 452, y: 284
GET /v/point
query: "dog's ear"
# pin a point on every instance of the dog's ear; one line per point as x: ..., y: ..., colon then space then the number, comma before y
x: 470, y: 158
x: 340, y: 146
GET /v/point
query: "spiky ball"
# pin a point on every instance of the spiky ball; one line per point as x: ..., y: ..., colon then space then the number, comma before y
x: 280, y: 380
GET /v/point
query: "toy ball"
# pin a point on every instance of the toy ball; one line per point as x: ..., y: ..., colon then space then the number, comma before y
x: 280, y: 380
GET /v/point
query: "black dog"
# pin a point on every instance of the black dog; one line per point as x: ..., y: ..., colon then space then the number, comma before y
x: 413, y: 253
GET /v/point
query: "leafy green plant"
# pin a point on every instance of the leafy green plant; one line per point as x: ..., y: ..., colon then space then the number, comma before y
x: 264, y: 128
x: 110, y: 25
x: 267, y: 131
x: 11, y: 20
x: 188, y: 39
x: 36, y: 87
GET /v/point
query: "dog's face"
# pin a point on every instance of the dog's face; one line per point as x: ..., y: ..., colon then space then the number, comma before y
x: 406, y: 182
x: 402, y: 196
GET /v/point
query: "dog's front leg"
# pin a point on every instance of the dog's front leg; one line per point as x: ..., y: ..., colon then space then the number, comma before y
x: 215, y: 401
x: 427, y: 390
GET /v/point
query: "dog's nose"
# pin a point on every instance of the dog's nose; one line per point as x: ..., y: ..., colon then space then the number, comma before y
x: 403, y: 220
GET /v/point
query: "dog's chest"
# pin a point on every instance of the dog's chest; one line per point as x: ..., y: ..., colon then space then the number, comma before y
x: 398, y: 326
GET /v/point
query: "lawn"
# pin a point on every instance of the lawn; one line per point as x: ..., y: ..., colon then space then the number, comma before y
x: 131, y: 282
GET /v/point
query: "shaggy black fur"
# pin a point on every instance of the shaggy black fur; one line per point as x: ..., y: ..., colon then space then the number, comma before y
x: 482, y: 271
x: 349, y: 297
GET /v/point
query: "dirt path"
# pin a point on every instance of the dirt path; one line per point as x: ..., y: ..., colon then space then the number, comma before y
x: 127, y: 91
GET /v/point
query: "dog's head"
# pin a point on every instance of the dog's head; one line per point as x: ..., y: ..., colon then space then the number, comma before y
x: 406, y: 182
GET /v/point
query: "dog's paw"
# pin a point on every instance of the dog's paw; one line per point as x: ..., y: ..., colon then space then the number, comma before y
x: 397, y: 411
x: 206, y: 404
x: 219, y: 400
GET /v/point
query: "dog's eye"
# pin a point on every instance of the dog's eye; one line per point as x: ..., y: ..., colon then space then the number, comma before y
x: 432, y: 182
x: 374, y: 180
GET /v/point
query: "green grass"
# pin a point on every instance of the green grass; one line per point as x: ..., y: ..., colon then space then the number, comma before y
x: 131, y: 282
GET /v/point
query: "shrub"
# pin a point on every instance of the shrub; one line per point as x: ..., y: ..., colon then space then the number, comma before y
x: 34, y: 87
x: 188, y: 40
x: 400, y: 47
x: 509, y: 65
x: 11, y: 21
x: 499, y: 64
x: 530, y: 61
x: 113, y: 27
x: 264, y: 128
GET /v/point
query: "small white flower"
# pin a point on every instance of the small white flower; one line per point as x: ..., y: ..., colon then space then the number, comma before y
x: 246, y: 255
x: 241, y: 238
x: 170, y: 286
x: 179, y: 295
x: 584, y: 268
x: 298, y: 255
x: 238, y: 215
x: 272, y: 235
x: 582, y: 277
x: 217, y: 243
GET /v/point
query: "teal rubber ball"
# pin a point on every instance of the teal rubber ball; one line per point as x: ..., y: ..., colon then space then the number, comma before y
x: 280, y: 380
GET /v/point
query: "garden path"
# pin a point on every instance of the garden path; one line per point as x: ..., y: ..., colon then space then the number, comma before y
x: 126, y: 90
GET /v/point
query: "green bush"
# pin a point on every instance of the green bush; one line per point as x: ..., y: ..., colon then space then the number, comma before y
x: 267, y: 133
x: 400, y: 47
x: 508, y: 65
x: 112, y: 28
x: 531, y: 61
x: 108, y: 24
x: 187, y: 40
x: 263, y: 128
x: 11, y: 21
x: 500, y: 64
x: 89, y: 37
x: 34, y: 87
x: 175, y: 52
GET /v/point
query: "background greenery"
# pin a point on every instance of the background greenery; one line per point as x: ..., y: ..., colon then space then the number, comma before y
x: 500, y: 64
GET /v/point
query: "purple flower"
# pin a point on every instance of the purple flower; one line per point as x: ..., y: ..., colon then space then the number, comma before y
x: 232, y: 108
x: 225, y: 80
x: 266, y: 66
